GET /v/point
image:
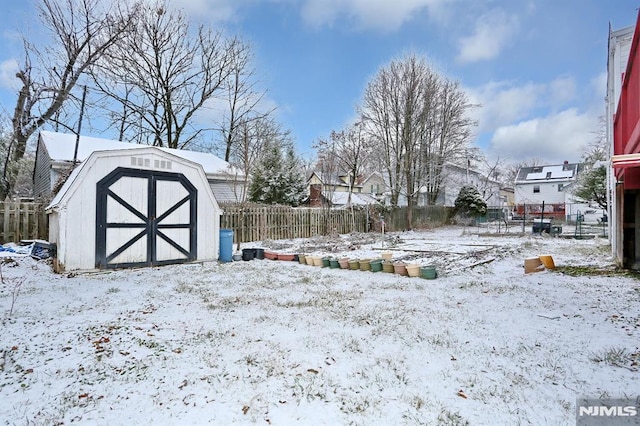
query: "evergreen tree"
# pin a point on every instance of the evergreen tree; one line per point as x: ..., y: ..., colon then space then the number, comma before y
x: 470, y: 202
x: 296, y: 188
x: 277, y: 180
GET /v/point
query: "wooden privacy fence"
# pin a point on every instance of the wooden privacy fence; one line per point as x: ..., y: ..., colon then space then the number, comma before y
x: 262, y: 222
x: 25, y: 221
x: 259, y: 222
x: 22, y: 221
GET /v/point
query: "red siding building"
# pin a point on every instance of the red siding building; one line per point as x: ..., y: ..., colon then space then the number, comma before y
x: 626, y: 162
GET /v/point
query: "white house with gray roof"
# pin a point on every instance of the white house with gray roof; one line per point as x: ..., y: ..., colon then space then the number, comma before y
x: 55, y: 158
x: 548, y: 184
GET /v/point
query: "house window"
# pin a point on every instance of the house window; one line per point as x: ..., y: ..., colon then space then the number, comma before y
x: 560, y: 187
x: 536, y: 189
x: 373, y: 191
x: 548, y: 175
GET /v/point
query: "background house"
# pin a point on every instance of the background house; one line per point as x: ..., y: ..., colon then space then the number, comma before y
x: 55, y: 157
x: 456, y: 176
x: 545, y: 184
x: 333, y: 190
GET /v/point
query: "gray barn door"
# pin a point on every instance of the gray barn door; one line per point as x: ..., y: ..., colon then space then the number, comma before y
x: 145, y: 218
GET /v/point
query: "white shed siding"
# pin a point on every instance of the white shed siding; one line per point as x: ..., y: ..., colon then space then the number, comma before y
x: 73, y: 211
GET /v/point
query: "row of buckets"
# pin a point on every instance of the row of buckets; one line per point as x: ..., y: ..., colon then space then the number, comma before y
x: 385, y: 264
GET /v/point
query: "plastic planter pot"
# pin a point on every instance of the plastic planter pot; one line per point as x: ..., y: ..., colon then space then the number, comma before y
x: 309, y: 260
x: 317, y: 261
x: 388, y: 267
x: 302, y: 259
x: 248, y: 254
x: 344, y: 263
x: 413, y: 270
x: 270, y: 255
x: 286, y: 256
x: 364, y: 264
x: 400, y: 268
x: 259, y: 253
x: 354, y: 265
x: 376, y: 265
x: 428, y: 272
x: 326, y: 262
x: 333, y: 263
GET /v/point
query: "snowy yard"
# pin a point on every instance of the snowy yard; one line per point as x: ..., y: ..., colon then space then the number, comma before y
x: 275, y: 342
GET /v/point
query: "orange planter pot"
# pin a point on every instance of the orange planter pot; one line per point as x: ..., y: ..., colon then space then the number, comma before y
x: 400, y: 268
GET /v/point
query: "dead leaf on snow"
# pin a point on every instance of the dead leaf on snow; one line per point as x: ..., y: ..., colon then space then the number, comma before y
x: 461, y: 394
x: 245, y: 409
x: 311, y: 370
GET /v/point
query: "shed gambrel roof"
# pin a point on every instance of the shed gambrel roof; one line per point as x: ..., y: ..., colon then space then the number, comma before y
x: 557, y: 172
x: 61, y: 147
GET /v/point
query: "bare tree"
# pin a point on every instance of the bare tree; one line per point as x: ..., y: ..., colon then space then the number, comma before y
x: 243, y: 99
x: 348, y: 149
x: 419, y: 119
x: 165, y: 74
x: 80, y: 33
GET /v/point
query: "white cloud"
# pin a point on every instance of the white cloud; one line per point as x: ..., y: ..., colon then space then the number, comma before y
x: 367, y: 14
x: 504, y: 102
x: 561, y: 91
x: 493, y: 32
x: 553, y: 138
x: 8, y: 71
x: 209, y: 10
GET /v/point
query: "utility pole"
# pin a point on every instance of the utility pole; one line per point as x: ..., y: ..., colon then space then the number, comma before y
x: 75, y: 151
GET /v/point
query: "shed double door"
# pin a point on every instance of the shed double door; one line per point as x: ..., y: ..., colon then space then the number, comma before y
x: 145, y: 218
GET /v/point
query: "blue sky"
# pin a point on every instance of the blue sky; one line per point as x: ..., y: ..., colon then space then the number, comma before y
x: 537, y: 68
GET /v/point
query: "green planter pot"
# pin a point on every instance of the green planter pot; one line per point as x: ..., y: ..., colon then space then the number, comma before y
x: 376, y: 265
x: 326, y: 262
x: 428, y: 272
x: 333, y: 263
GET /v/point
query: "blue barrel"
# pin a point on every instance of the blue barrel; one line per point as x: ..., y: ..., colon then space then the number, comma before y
x: 226, y: 245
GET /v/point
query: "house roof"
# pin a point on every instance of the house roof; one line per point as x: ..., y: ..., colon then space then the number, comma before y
x: 334, y: 179
x: 61, y: 147
x: 557, y: 172
x: 357, y: 199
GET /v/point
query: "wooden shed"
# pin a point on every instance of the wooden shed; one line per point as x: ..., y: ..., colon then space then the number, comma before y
x: 133, y: 207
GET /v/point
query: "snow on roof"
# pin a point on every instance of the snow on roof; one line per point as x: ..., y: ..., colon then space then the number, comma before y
x: 341, y: 198
x: 61, y: 147
x: 566, y: 171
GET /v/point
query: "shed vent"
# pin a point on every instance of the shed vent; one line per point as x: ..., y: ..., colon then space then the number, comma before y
x: 140, y: 162
x: 162, y: 164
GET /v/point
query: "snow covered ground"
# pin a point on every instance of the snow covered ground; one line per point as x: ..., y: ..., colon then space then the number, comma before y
x: 275, y: 342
